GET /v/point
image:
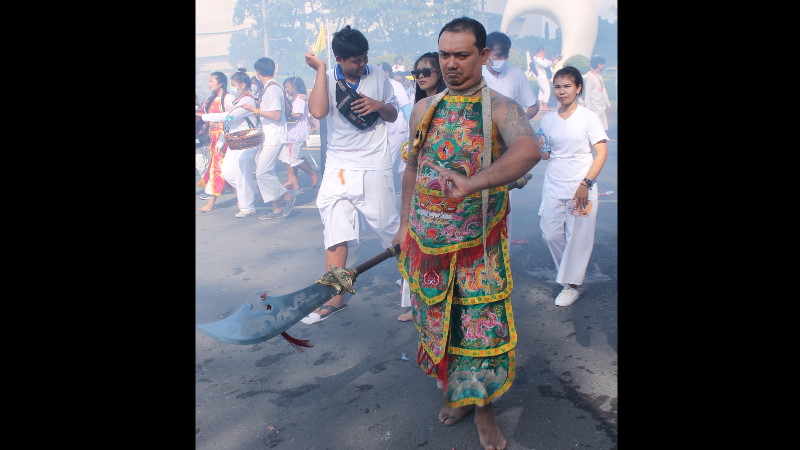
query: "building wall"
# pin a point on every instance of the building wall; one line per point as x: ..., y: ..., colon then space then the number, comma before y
x: 213, y: 29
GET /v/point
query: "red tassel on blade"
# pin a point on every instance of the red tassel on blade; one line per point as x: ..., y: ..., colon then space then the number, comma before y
x: 298, y: 344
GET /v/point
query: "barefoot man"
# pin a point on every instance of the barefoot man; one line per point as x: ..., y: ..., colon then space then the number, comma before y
x: 469, y: 141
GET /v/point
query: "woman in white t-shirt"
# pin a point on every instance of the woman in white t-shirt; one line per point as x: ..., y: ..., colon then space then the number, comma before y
x: 297, y: 133
x: 567, y: 136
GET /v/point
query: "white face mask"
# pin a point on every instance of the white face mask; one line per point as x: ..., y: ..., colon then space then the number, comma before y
x: 497, y: 66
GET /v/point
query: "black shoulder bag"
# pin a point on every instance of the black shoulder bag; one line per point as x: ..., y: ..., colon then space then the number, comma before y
x: 345, y: 95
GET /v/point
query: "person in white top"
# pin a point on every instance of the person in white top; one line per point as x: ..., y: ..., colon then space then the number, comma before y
x: 297, y: 133
x: 567, y: 137
x: 273, y: 120
x: 238, y: 167
x: 540, y: 63
x: 397, y: 131
x: 507, y: 79
x: 358, y: 177
x: 596, y: 97
x: 398, y: 65
x: 511, y: 82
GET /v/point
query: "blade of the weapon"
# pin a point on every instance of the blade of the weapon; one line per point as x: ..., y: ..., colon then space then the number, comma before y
x: 274, y: 315
x: 270, y: 317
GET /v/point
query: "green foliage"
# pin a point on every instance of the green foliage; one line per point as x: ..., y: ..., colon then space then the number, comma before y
x: 532, y: 43
x: 580, y: 62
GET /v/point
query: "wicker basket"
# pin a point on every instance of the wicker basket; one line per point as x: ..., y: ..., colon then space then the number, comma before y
x: 240, y: 140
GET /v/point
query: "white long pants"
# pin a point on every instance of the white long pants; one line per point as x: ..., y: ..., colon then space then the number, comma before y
x: 239, y: 170
x: 268, y: 183
x: 395, y: 142
x: 544, y: 89
x: 570, y: 238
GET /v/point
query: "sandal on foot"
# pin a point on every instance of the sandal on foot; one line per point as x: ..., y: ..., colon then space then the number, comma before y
x: 314, y: 317
x: 288, y: 204
x: 272, y: 215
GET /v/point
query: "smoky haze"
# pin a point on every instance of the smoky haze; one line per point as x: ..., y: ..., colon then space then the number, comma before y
x: 225, y: 41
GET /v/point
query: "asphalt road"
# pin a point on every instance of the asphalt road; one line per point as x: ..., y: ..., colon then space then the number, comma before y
x: 352, y: 390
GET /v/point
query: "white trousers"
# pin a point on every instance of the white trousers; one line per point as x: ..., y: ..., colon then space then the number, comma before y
x: 202, y: 157
x: 544, y: 89
x: 292, y: 154
x: 601, y: 113
x: 570, y: 238
x: 239, y: 170
x: 268, y: 183
x: 344, y: 193
x: 405, y: 296
x: 395, y: 142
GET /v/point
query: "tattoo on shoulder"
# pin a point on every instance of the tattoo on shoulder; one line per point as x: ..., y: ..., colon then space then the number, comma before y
x: 512, y: 123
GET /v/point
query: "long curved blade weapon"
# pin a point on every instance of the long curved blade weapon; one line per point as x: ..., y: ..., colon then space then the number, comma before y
x: 251, y: 325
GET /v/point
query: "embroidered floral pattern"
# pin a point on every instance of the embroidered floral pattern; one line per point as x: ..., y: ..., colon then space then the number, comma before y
x: 462, y: 313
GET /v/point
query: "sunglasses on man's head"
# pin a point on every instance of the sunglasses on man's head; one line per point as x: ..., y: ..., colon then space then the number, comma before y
x: 426, y: 72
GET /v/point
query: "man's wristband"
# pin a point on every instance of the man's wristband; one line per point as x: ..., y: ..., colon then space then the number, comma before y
x: 257, y: 112
x: 587, y: 182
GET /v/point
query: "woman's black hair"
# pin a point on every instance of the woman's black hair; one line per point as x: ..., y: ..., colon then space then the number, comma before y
x: 433, y: 58
x: 241, y: 77
x: 571, y: 72
x: 298, y: 83
x: 223, y: 80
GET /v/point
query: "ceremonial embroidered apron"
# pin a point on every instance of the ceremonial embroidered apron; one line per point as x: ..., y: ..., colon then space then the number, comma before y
x: 465, y: 320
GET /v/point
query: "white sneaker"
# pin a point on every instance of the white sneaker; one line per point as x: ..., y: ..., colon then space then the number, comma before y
x: 245, y: 213
x: 567, y: 296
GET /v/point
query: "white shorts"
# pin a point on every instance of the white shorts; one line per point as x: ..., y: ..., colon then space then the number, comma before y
x: 291, y: 154
x: 344, y: 193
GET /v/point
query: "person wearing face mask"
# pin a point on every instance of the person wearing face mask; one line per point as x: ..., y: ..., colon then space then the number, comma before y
x: 510, y: 81
x: 507, y: 79
x: 256, y: 87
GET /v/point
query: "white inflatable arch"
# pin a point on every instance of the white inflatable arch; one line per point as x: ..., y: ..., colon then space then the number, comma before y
x: 577, y: 20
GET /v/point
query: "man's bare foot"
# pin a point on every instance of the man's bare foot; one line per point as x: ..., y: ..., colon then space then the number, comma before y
x: 450, y: 416
x: 406, y: 316
x: 489, y: 433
